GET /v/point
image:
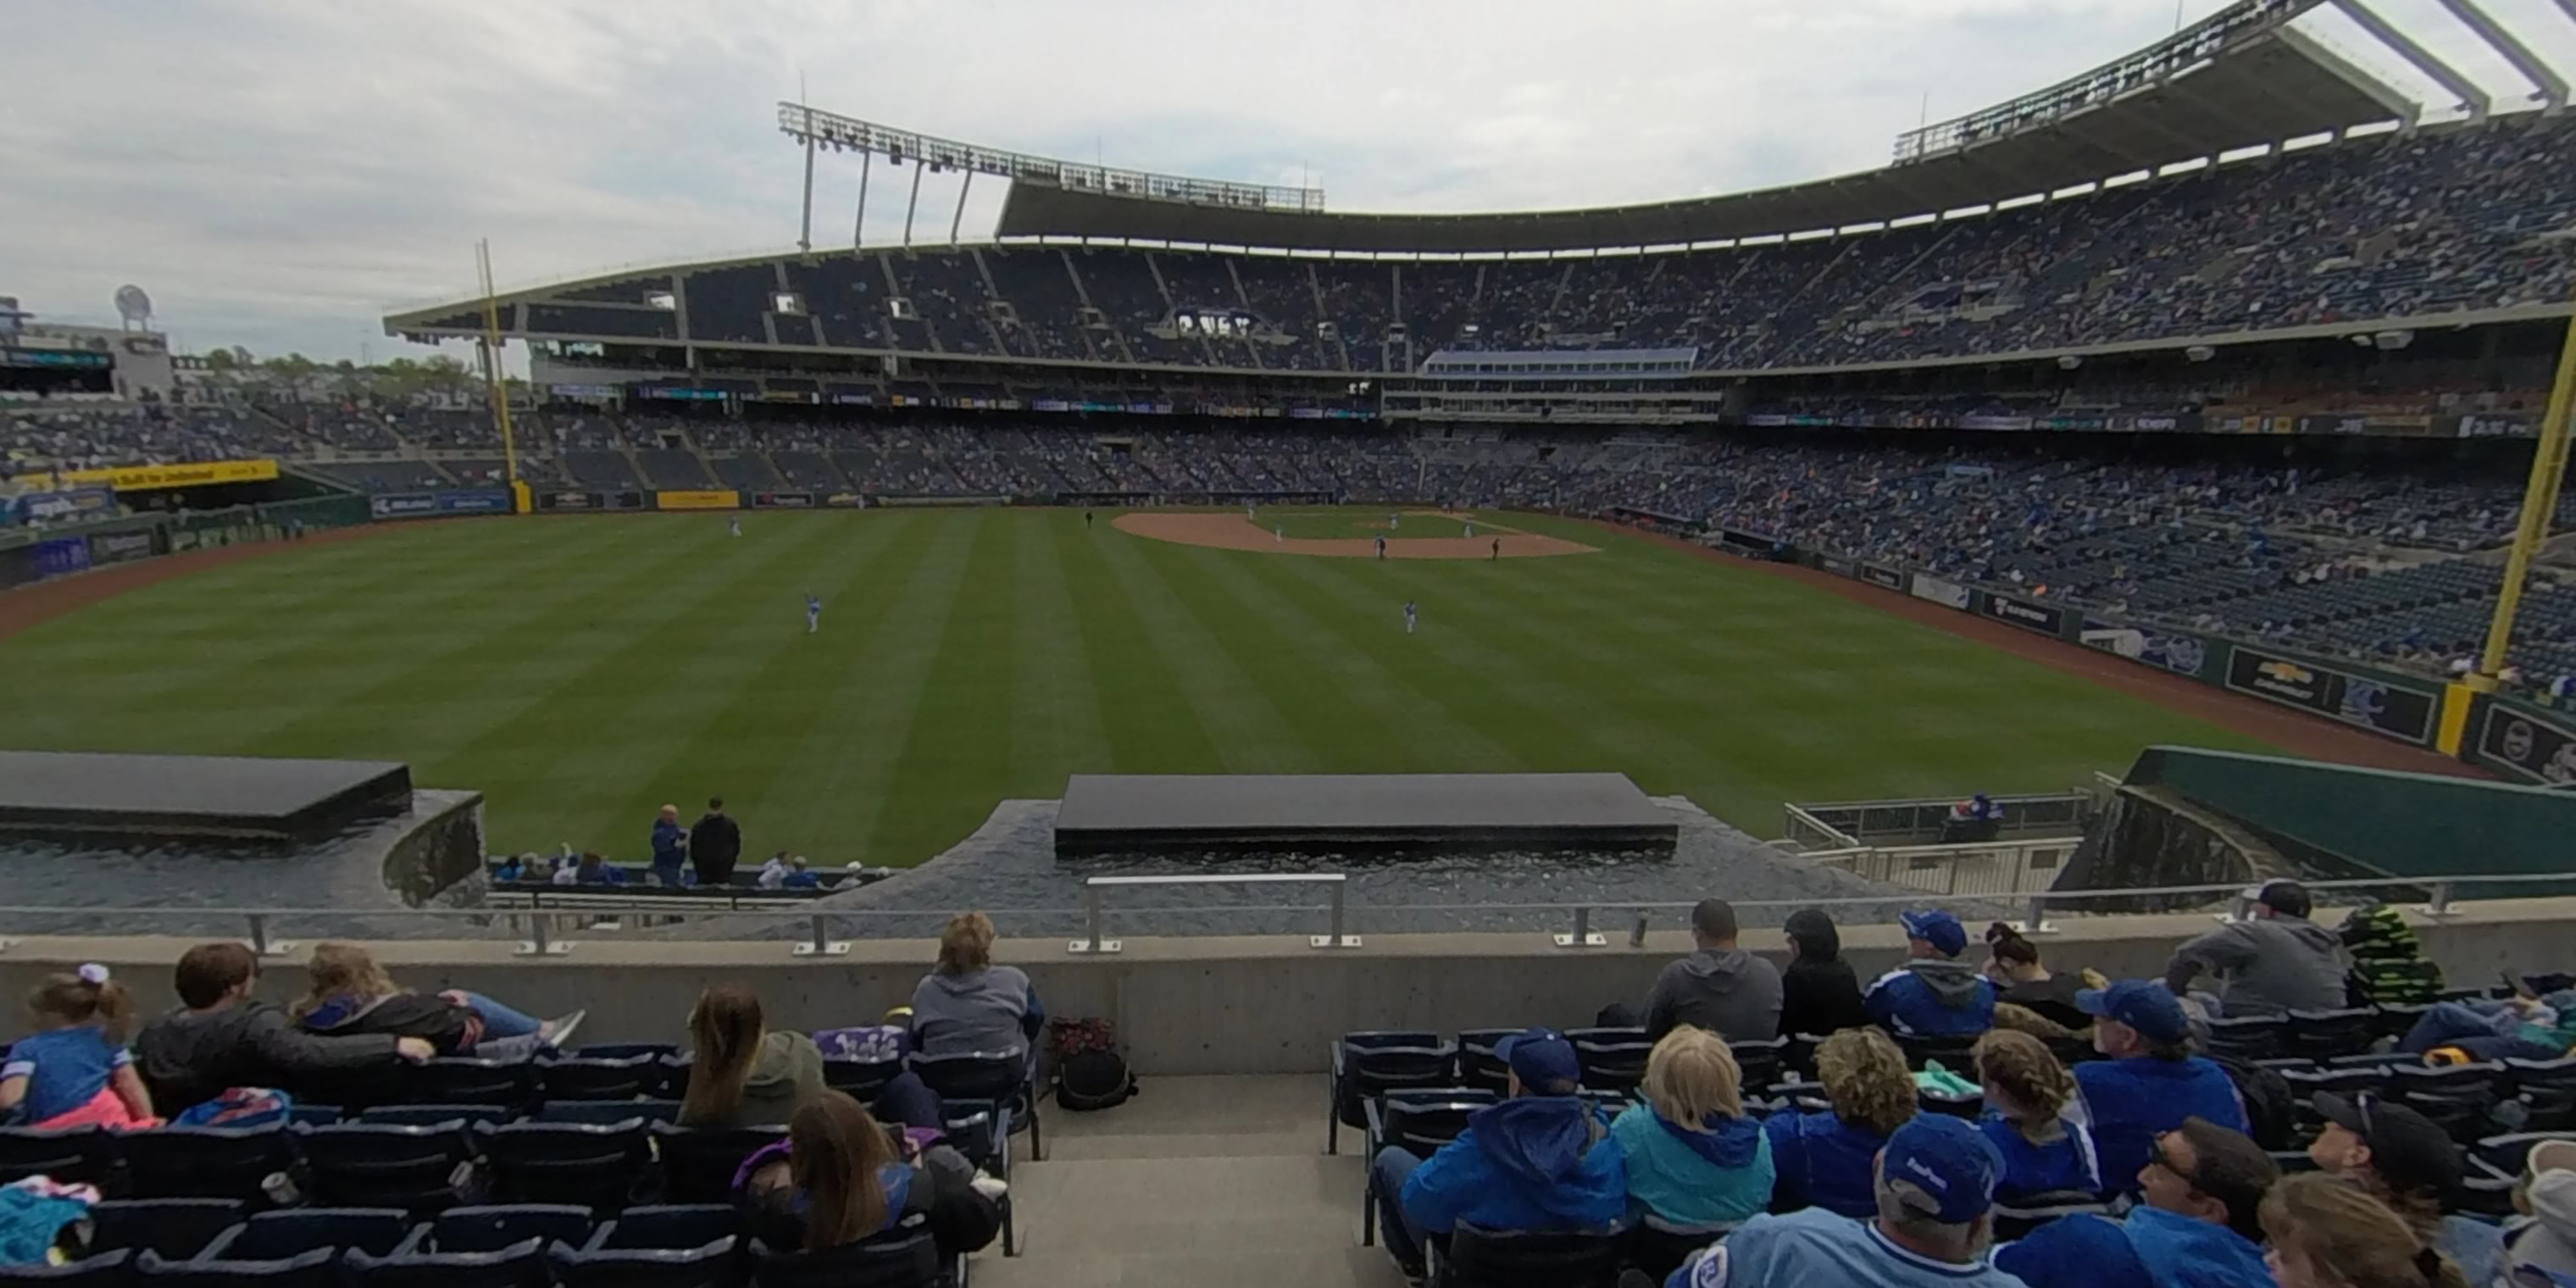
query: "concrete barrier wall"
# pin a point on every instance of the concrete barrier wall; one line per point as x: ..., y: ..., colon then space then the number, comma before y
x: 1201, y: 1006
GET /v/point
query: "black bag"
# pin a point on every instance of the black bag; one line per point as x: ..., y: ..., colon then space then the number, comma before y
x: 1093, y: 1080
x: 2271, y: 1108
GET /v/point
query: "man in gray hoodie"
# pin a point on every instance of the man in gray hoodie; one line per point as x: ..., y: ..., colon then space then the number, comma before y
x: 2278, y: 961
x: 1719, y: 987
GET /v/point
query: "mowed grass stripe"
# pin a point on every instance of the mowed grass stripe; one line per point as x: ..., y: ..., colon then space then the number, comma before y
x: 959, y: 745
x: 1055, y: 702
x: 1148, y: 722
x: 1252, y: 734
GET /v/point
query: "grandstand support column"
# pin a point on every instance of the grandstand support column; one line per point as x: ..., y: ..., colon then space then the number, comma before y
x: 2539, y: 501
x: 859, y: 220
x: 909, y: 207
x: 958, y: 220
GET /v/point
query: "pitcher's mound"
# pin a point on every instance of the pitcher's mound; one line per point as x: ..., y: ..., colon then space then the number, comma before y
x: 1232, y: 532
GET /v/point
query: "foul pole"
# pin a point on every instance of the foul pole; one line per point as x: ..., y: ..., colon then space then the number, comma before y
x: 2539, y: 502
x: 492, y: 371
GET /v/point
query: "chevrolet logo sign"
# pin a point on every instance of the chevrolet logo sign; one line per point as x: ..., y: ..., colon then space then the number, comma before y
x: 2286, y: 672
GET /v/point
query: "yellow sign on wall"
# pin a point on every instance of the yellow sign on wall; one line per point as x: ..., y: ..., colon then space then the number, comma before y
x: 697, y: 500
x: 145, y: 478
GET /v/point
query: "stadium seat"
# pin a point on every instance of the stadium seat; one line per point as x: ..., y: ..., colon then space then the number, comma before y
x: 981, y: 1130
x: 713, y: 1265
x: 365, y: 1164
x: 1368, y: 1064
x: 698, y: 1163
x: 85, y: 1155
x: 2322, y: 1035
x: 1951, y: 1052
x: 669, y: 1063
x: 1479, y: 1063
x: 318, y: 1268
x: 595, y: 1165
x: 2547, y: 1089
x: 2247, y: 1037
x: 1417, y: 1120
x: 1965, y: 1104
x: 1002, y: 1076
x: 862, y: 1079
x: 606, y: 1111
x: 269, y: 1236
x: 2506, y: 1154
x: 111, y: 1269
x: 1476, y: 1258
x: 433, y: 1115
x: 2031, y: 1211
x: 313, y: 1115
x: 520, y: 1265
x: 1798, y: 1057
x: 494, y: 1227
x: 175, y: 1228
x: 1658, y: 1247
x: 204, y: 1162
x: 1761, y: 1062
x: 586, y: 1078
x: 464, y: 1080
x: 667, y: 1227
x: 898, y: 1259
x: 1612, y: 1059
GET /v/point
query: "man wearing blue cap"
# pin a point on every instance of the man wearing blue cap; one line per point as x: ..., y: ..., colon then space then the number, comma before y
x: 1543, y: 1159
x: 2195, y: 1228
x: 1935, y: 1185
x: 1933, y: 994
x: 2151, y: 1083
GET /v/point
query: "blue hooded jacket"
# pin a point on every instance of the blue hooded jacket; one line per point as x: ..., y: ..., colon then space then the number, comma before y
x: 1535, y: 1163
x: 1932, y: 998
x: 1825, y: 1162
x: 1694, y: 1177
x: 2152, y: 1249
x: 2131, y: 1101
x: 668, y: 840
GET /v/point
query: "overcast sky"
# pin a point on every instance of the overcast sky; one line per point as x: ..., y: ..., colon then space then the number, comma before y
x: 280, y: 173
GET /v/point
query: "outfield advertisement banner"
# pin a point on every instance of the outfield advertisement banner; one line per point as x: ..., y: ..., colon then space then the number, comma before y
x: 419, y: 505
x: 590, y: 500
x: 1940, y: 590
x: 74, y: 506
x: 845, y: 501
x: 61, y: 557
x: 1877, y: 576
x: 2025, y: 614
x: 1837, y: 565
x: 2528, y: 743
x: 120, y: 547
x: 782, y: 500
x: 2169, y: 650
x: 144, y: 478
x: 2378, y: 705
x: 697, y: 500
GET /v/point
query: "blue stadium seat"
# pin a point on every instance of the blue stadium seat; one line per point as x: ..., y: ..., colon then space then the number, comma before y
x: 431, y: 1115
x: 270, y: 1236
x: 367, y: 1164
x: 1365, y: 1065
x: 1478, y: 1258
x: 596, y: 1165
x: 490, y: 1228
x: 318, y: 1268
x: 1003, y: 1076
x: 2322, y: 1035
x: 1417, y: 1120
x: 112, y: 1269
x: 666, y: 1226
x: 899, y: 1259
x: 80, y: 1154
x: 520, y: 1265
x: 1760, y: 1062
x: 204, y: 1162
x: 1479, y: 1063
x: 464, y: 1080
x: 714, y: 1265
x: 698, y: 1163
x: 1613, y: 1059
x: 1658, y: 1247
x: 606, y: 1111
x: 862, y: 1079
x: 589, y: 1078
x: 175, y: 1228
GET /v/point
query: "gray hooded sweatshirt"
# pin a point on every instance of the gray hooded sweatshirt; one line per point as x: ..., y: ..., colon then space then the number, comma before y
x: 1727, y: 991
x: 977, y: 1010
x: 2272, y: 965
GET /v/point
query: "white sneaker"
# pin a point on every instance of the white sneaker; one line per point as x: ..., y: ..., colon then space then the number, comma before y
x: 991, y: 1187
x: 556, y: 1034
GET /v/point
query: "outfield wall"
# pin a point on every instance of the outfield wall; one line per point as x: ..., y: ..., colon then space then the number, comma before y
x: 1206, y: 1006
x: 60, y: 552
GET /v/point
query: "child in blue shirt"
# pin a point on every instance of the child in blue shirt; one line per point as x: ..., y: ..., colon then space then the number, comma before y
x: 74, y: 1071
x: 2027, y: 1091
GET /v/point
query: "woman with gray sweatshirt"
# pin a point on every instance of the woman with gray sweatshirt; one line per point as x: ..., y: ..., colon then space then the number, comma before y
x: 967, y: 1004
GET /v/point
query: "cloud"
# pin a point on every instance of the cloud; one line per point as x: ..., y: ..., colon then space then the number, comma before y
x: 279, y: 173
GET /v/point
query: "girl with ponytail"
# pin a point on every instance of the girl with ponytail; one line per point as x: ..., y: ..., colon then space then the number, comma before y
x: 74, y: 1071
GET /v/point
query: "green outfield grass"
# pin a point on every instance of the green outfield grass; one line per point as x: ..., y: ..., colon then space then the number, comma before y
x: 582, y: 671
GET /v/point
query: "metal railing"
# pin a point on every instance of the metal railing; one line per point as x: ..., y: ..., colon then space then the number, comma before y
x: 1972, y: 869
x: 2439, y: 894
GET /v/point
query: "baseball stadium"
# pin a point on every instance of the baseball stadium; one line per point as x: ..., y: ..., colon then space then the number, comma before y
x: 1322, y: 646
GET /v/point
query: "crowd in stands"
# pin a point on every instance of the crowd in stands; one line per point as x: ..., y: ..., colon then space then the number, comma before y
x: 2393, y: 226
x: 46, y: 437
x: 2307, y: 1119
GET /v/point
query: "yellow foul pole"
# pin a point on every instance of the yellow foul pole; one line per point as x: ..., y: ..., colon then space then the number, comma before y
x: 2539, y: 502
x: 492, y: 376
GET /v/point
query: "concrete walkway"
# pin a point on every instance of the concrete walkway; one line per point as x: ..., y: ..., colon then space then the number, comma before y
x: 1196, y: 1181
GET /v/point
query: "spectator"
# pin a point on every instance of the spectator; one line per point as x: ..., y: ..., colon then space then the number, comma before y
x: 714, y: 845
x: 1930, y: 1218
x: 967, y: 1004
x: 1976, y: 819
x: 670, y: 846
x: 742, y: 1074
x: 596, y: 870
x: 1933, y: 994
x: 1822, y: 1159
x: 519, y: 867
x: 2547, y: 1196
x: 2027, y: 1092
x: 2326, y: 1234
x: 1543, y: 1159
x: 2521, y: 1028
x: 2152, y: 1081
x: 2408, y: 1162
x: 74, y: 1070
x: 840, y: 1178
x: 1819, y: 994
x: 2012, y: 962
x: 2202, y: 1189
x: 798, y: 877
x: 1693, y: 1157
x: 2278, y: 961
x: 221, y: 1037
x: 349, y: 993
x: 1719, y: 987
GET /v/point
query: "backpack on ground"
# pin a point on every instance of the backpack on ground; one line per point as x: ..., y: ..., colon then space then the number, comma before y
x: 1089, y: 1072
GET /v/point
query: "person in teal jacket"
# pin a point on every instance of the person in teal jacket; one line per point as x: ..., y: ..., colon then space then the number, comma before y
x: 1693, y: 1157
x: 1543, y: 1159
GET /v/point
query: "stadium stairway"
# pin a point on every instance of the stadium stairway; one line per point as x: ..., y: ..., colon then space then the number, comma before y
x: 1196, y: 1181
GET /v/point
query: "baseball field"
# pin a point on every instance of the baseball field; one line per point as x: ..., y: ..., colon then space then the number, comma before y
x: 582, y: 671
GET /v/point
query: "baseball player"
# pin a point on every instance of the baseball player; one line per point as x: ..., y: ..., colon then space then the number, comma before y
x: 813, y: 613
x: 735, y: 525
x: 1381, y: 546
x: 1408, y: 617
x: 1471, y: 527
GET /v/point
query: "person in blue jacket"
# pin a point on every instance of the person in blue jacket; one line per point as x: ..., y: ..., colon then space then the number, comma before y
x: 2045, y: 1157
x: 1933, y: 994
x: 1823, y: 1159
x: 2198, y: 1226
x: 670, y: 847
x: 2151, y: 1083
x: 1543, y: 1159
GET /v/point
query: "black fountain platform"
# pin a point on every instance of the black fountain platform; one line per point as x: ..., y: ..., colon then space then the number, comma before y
x: 126, y: 799
x: 1178, y: 814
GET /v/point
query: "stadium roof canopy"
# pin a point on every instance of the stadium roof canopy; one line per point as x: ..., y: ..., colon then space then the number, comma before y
x: 2239, y: 79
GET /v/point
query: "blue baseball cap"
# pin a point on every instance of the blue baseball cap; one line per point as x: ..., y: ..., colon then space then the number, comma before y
x: 1937, y: 928
x: 1543, y: 1060
x: 1948, y: 1161
x: 2144, y: 1005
